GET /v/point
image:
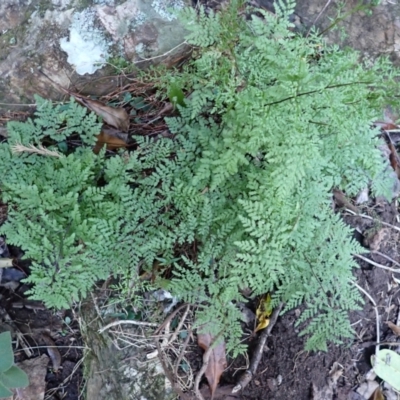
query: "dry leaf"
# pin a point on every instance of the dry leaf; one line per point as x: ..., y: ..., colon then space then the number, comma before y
x: 263, y: 312
x: 217, y: 361
x: 115, y: 117
x: 106, y: 138
x: 342, y: 201
x: 377, y: 395
x: 394, y: 328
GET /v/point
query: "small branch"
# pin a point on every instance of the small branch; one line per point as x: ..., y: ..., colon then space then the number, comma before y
x: 387, y: 257
x: 318, y: 16
x: 397, y: 271
x: 169, y: 318
x: 247, y: 376
x: 131, y: 322
x: 378, y: 337
x: 373, y: 219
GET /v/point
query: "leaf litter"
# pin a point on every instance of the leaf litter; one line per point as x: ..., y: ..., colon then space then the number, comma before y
x: 216, y: 362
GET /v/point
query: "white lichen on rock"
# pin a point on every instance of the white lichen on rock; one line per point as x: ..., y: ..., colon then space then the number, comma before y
x: 87, y: 48
x: 164, y: 7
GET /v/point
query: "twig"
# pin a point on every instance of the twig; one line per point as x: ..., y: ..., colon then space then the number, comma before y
x: 385, y: 256
x: 179, y: 327
x: 247, y: 376
x: 182, y: 352
x: 168, y: 319
x: 161, y: 55
x: 378, y: 336
x: 168, y: 373
x: 132, y: 322
x: 376, y: 264
x: 318, y: 16
x: 373, y: 219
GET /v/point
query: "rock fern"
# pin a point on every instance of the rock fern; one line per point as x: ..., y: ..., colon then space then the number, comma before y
x: 240, y: 198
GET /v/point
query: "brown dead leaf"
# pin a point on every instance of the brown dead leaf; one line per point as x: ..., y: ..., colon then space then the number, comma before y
x: 394, y: 328
x: 343, y: 202
x: 116, y: 117
x: 107, y: 137
x: 377, y: 395
x: 217, y: 361
x: 394, y: 158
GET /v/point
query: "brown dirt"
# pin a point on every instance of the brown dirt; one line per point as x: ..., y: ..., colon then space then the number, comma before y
x: 45, y: 333
x: 284, y: 358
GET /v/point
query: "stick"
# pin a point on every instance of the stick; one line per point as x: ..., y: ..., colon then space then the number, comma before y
x: 247, y: 376
x: 132, y: 322
x: 373, y: 219
x: 376, y: 264
x: 378, y: 337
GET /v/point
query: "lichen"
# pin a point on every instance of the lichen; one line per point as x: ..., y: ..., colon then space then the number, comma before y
x: 164, y: 8
x: 87, y: 47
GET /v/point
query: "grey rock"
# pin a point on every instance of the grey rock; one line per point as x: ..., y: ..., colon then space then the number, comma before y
x: 72, y: 41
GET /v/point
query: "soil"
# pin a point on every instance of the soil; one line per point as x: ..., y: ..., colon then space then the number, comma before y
x: 41, y: 334
x: 286, y: 371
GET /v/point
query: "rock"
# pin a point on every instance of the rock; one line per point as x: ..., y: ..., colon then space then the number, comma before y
x: 373, y: 35
x: 72, y: 41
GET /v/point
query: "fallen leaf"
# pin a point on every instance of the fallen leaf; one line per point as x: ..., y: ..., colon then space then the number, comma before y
x: 377, y: 395
x: 394, y: 157
x: 217, y: 361
x: 263, y: 312
x: 342, y: 201
x: 115, y: 117
x: 394, y: 328
x: 386, y: 365
x: 108, y: 137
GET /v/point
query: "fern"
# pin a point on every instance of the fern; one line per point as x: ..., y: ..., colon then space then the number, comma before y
x: 240, y: 198
x: 269, y: 128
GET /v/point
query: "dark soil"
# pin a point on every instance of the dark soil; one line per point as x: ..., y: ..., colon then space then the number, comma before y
x: 286, y: 371
x: 55, y: 335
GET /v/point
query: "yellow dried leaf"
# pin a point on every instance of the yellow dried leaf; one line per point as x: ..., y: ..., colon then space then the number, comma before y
x: 263, y: 312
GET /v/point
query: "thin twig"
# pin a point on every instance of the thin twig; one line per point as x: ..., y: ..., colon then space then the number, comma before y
x: 376, y: 264
x: 168, y: 373
x: 182, y: 352
x: 378, y: 336
x: 318, y: 16
x: 247, y: 376
x: 385, y: 256
x: 131, y: 322
x: 169, y: 319
x: 373, y: 219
